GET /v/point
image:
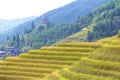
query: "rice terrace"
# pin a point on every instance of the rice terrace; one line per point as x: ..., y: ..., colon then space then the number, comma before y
x: 60, y: 40
x: 66, y: 61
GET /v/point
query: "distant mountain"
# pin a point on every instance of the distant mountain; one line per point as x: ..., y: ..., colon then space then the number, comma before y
x: 9, y: 24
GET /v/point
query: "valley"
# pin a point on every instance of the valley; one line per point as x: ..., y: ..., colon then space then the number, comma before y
x: 78, y: 41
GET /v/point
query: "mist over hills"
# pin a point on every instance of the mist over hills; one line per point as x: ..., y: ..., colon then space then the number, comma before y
x: 9, y: 24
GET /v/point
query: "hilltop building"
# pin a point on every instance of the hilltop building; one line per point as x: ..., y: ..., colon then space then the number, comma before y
x: 44, y: 24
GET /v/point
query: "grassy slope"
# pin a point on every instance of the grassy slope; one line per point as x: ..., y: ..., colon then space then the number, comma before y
x: 102, y: 64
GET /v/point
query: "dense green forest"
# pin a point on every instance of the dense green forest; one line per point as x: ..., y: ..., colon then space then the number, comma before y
x: 46, y: 34
x: 106, y: 20
x: 105, y: 23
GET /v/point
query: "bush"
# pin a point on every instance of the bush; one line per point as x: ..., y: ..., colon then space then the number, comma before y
x: 27, y: 48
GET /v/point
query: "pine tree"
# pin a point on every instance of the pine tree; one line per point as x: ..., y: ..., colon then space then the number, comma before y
x: 8, y: 38
x: 22, y: 39
x: 32, y: 25
x: 89, y: 36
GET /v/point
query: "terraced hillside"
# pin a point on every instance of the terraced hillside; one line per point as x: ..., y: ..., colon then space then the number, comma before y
x: 102, y: 64
x: 37, y: 64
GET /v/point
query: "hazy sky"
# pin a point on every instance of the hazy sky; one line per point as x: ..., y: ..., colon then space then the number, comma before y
x: 11, y: 9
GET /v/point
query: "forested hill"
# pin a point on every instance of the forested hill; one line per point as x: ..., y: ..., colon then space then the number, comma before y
x: 105, y: 22
x: 37, y: 35
x: 63, y: 14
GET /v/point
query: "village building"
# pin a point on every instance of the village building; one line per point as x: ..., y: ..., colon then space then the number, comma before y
x: 10, y: 51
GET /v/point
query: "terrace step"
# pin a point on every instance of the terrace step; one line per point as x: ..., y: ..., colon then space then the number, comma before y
x: 26, y: 69
x: 21, y: 73
x: 81, y: 44
x: 52, y: 57
x: 66, y: 49
x: 39, y: 52
x: 14, y: 77
x: 15, y: 59
x: 37, y: 65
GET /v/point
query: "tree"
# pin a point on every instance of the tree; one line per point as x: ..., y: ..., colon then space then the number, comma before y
x: 89, y: 36
x: 13, y: 39
x: 17, y: 38
x: 25, y: 49
x: 8, y: 38
x: 32, y: 25
x: 2, y: 48
x: 37, y: 45
x: 22, y: 39
x: 26, y: 31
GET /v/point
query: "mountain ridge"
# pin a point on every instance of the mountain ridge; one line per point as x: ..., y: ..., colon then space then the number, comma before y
x: 63, y: 14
